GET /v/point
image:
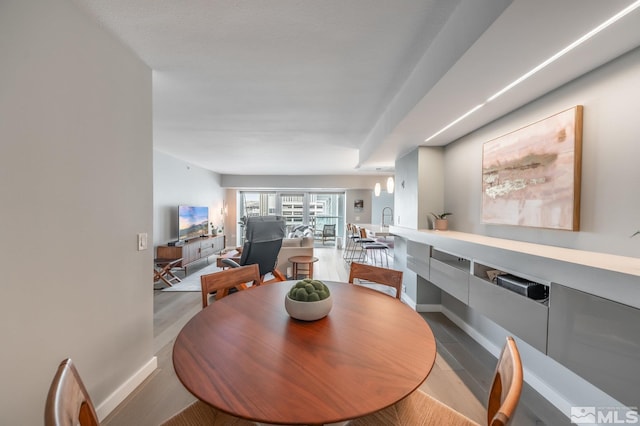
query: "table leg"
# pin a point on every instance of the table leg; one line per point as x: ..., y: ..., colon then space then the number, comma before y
x: 311, y: 270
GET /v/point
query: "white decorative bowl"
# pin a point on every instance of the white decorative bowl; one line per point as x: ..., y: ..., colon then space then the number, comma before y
x: 308, y: 311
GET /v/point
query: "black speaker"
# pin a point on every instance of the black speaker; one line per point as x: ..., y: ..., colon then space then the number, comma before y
x: 524, y: 287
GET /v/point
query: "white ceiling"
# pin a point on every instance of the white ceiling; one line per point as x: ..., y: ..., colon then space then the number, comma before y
x: 297, y: 87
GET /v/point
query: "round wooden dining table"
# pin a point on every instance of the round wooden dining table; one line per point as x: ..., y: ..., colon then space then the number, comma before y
x: 245, y: 356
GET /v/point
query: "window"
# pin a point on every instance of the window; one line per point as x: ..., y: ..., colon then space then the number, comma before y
x: 314, y: 209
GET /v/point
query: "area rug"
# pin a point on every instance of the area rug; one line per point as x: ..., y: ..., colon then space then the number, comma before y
x: 192, y: 281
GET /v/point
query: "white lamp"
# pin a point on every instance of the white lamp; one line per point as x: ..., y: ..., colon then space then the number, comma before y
x: 376, y: 189
x: 390, y: 185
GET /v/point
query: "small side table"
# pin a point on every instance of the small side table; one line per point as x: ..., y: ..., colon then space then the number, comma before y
x: 302, y: 260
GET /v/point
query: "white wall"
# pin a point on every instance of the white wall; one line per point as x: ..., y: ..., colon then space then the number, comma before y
x: 406, y: 193
x: 302, y: 182
x: 75, y: 189
x: 431, y: 185
x: 419, y: 187
x: 610, y: 208
x: 379, y: 203
x: 175, y: 183
x: 352, y: 215
x: 610, y: 205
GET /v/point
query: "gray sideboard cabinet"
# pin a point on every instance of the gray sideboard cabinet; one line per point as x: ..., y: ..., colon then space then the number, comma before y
x: 598, y: 339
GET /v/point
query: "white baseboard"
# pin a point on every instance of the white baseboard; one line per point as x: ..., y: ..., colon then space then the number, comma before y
x: 483, y: 341
x: 125, y: 389
x: 554, y: 398
x: 424, y: 307
x: 408, y: 301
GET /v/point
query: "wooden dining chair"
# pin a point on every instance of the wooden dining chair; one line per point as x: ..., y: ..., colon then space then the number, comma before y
x: 68, y: 402
x: 377, y: 275
x: 223, y: 281
x: 420, y: 409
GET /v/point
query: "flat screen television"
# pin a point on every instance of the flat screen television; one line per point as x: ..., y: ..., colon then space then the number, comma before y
x: 193, y: 222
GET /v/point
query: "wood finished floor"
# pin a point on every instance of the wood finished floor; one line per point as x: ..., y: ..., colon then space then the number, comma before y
x: 460, y: 377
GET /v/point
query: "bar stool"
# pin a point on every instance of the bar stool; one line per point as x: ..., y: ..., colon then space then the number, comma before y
x: 358, y: 247
x: 375, y: 250
x: 350, y: 244
x: 347, y: 242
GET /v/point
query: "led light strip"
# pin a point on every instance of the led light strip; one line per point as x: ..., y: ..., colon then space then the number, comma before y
x: 633, y: 6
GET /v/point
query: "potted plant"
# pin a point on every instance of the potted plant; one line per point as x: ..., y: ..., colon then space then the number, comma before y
x: 441, y: 223
x: 308, y: 300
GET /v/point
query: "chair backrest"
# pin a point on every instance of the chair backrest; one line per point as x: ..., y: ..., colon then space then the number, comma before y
x: 221, y: 282
x: 264, y: 254
x: 264, y: 235
x: 350, y: 231
x: 507, y: 386
x: 363, y: 235
x: 265, y: 228
x: 68, y: 402
x: 329, y: 230
x: 375, y: 274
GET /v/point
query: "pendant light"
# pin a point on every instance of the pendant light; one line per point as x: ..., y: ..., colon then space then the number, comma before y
x: 390, y: 185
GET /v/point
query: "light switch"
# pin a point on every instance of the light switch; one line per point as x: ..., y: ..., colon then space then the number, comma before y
x: 142, y: 241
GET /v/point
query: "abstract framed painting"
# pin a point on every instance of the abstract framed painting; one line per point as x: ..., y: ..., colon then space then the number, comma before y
x: 531, y: 176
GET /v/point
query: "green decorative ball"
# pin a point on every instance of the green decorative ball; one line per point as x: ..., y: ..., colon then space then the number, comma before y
x: 309, y: 290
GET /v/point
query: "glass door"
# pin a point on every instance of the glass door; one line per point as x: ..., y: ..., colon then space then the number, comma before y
x: 307, y: 212
x: 292, y: 206
x: 255, y: 204
x: 327, y: 208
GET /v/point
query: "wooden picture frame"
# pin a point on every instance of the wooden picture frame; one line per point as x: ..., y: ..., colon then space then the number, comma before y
x: 531, y: 176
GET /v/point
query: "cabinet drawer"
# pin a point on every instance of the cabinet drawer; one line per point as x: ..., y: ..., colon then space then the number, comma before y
x: 169, y: 252
x: 218, y: 243
x: 420, y: 251
x: 453, y: 280
x: 598, y: 339
x: 522, y: 316
x: 190, y: 253
x: 419, y: 265
x: 207, y: 247
x: 207, y: 251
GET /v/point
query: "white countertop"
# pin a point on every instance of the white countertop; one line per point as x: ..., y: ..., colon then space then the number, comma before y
x: 377, y: 230
x: 611, y: 276
x: 611, y: 262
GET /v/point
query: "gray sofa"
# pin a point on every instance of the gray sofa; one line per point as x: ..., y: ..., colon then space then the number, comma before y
x: 293, y: 247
